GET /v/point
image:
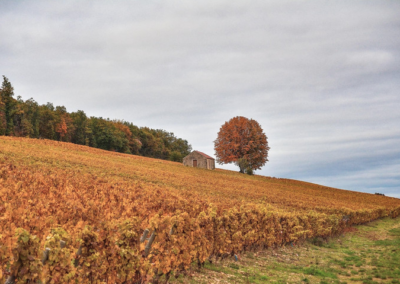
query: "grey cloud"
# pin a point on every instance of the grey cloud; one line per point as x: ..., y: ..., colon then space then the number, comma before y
x: 321, y: 77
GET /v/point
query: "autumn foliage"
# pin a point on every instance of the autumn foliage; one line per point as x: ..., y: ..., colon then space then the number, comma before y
x: 242, y: 141
x: 29, y: 119
x: 62, y: 128
x: 99, y: 204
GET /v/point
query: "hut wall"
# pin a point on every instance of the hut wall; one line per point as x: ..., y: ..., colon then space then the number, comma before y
x: 202, y: 162
x: 210, y: 164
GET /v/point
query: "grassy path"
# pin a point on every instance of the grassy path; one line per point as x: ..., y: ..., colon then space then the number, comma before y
x: 366, y: 254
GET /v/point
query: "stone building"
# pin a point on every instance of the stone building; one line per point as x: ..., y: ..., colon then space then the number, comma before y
x: 197, y: 159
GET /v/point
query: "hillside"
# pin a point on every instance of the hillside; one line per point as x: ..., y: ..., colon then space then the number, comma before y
x: 102, y: 202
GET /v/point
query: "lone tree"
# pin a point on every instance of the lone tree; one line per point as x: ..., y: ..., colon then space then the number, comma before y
x: 243, y: 142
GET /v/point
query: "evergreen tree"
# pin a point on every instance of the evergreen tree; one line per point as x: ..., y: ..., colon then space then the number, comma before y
x: 7, y: 108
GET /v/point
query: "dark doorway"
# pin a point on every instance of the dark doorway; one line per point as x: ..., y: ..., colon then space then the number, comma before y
x: 194, y: 163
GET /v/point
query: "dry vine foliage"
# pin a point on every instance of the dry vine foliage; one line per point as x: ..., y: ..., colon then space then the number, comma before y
x: 99, y: 204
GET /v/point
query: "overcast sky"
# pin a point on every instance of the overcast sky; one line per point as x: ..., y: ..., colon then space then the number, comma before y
x: 321, y: 77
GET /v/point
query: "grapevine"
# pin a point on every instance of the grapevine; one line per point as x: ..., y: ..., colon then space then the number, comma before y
x: 109, y: 217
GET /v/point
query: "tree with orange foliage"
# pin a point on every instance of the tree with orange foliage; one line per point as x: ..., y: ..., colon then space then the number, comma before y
x: 243, y: 142
x: 61, y: 128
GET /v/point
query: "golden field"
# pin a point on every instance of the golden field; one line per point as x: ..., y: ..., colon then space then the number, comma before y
x: 100, y: 203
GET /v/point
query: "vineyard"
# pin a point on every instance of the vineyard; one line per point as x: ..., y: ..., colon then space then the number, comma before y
x: 74, y: 214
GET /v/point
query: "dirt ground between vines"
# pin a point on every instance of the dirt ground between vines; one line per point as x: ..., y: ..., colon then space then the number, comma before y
x: 368, y: 253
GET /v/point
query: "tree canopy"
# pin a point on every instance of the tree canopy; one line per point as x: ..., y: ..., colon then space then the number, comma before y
x: 243, y: 142
x: 29, y: 119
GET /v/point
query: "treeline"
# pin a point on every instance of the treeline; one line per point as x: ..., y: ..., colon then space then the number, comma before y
x: 29, y: 119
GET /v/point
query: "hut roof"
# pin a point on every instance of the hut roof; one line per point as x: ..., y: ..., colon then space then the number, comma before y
x: 204, y: 155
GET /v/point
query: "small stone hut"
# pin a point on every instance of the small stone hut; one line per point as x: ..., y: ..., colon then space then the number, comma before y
x: 197, y: 159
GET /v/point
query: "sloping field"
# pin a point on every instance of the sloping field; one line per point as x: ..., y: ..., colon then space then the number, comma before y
x: 100, y: 203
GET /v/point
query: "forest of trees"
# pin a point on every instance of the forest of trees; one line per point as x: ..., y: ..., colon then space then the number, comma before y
x: 29, y: 119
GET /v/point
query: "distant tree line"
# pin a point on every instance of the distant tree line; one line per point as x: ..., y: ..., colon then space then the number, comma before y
x: 29, y: 119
